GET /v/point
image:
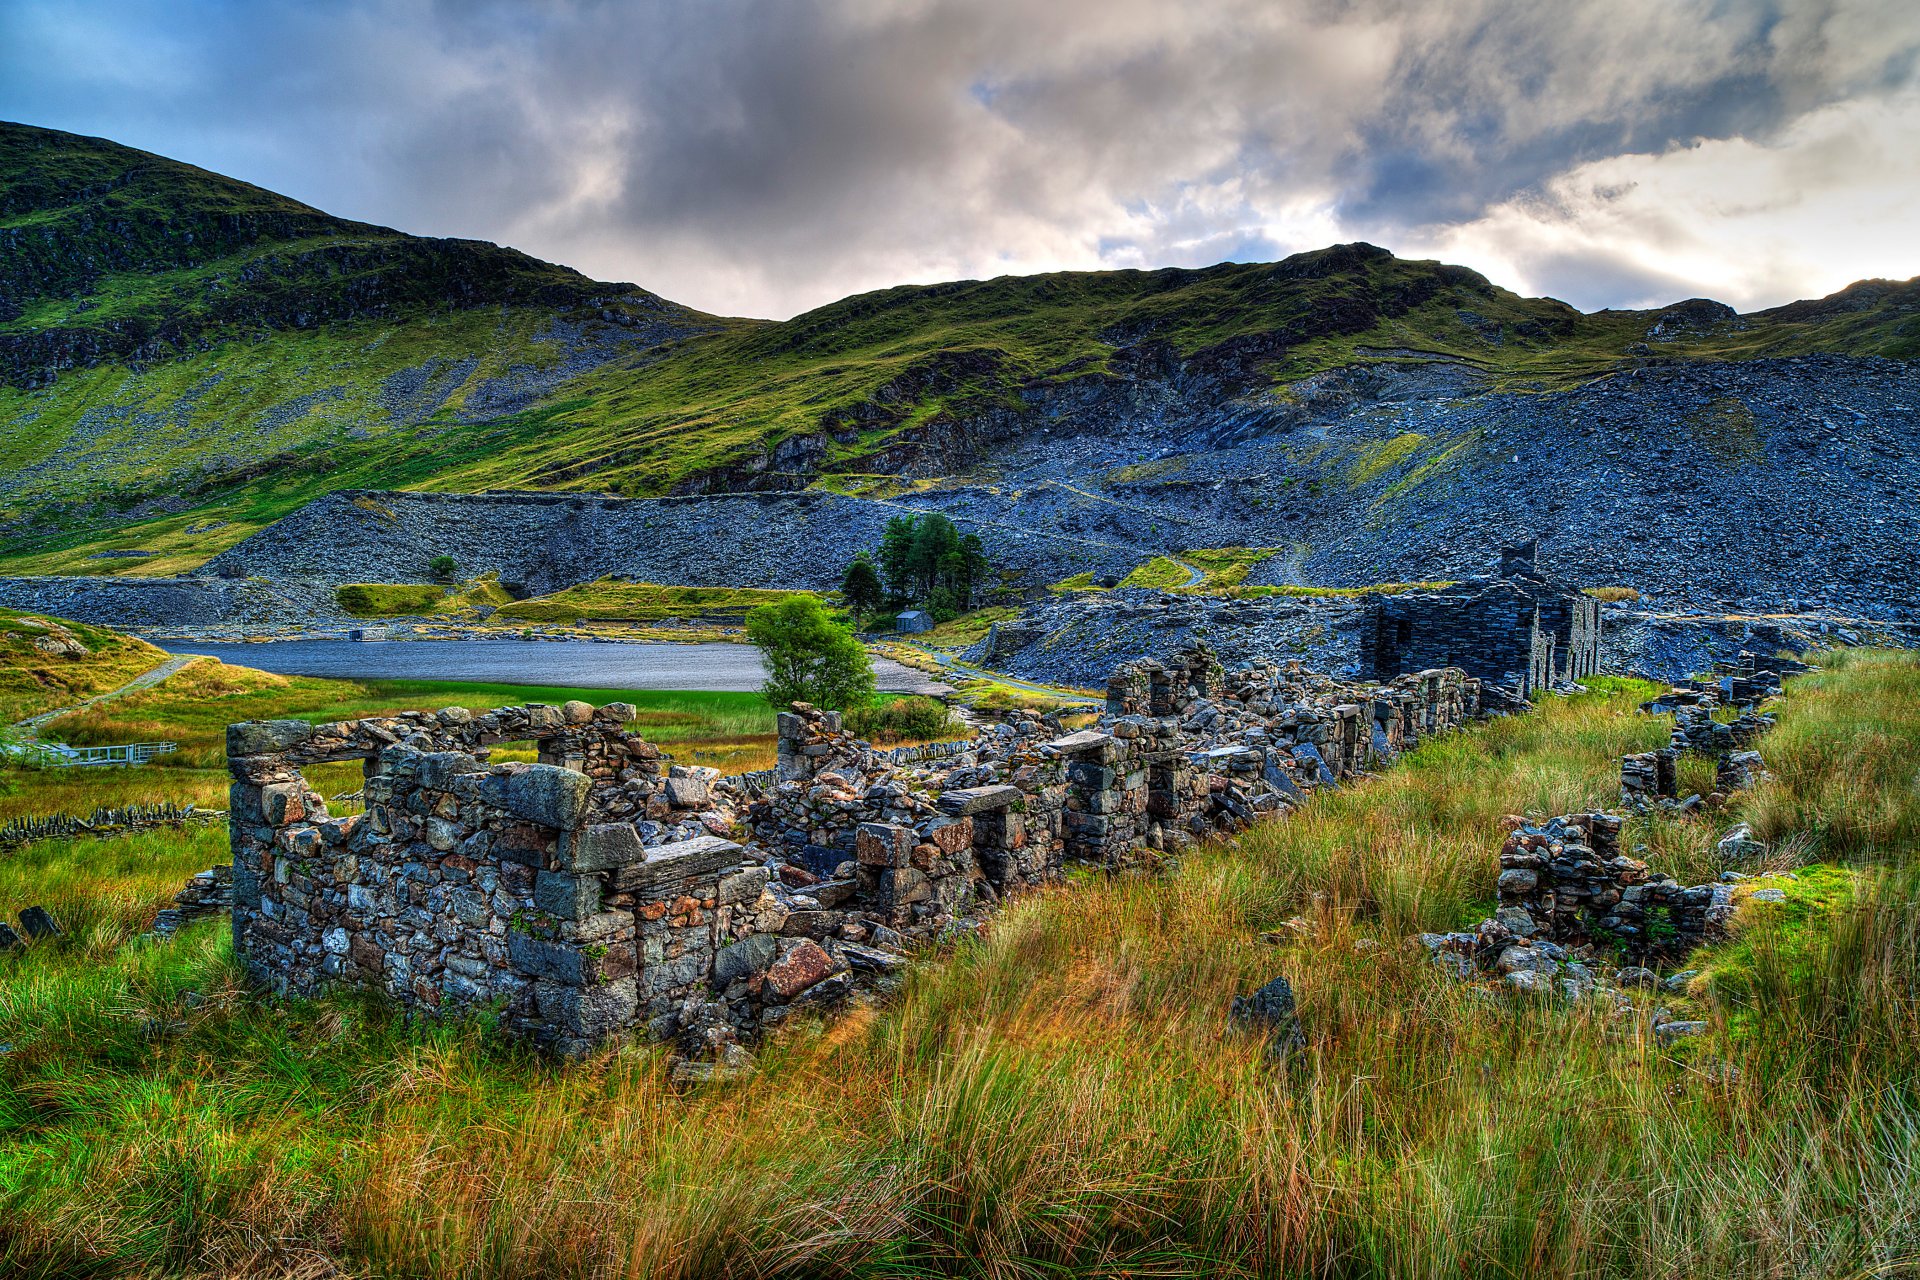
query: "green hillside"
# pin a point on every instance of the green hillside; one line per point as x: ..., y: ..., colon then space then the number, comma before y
x: 184, y: 358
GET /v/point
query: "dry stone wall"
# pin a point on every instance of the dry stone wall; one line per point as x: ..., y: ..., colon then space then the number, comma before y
x: 603, y: 890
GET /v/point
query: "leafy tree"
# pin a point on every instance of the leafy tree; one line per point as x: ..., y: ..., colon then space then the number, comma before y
x: 934, y: 539
x: 896, y: 555
x: 808, y: 656
x: 443, y: 566
x: 861, y: 589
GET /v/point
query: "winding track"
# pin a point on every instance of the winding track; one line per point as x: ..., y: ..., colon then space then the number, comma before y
x: 145, y: 680
x: 964, y: 671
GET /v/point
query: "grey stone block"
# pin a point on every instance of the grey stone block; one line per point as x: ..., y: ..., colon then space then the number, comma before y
x: 263, y: 737
x: 602, y: 847
x: 672, y: 864
x: 687, y: 793
x: 438, y: 769
x: 743, y: 959
x: 564, y: 894
x: 543, y: 794
x: 590, y: 1013
x: 549, y: 961
x: 744, y: 885
x: 963, y: 801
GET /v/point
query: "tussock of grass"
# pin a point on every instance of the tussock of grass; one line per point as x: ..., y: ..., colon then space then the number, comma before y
x: 1613, y: 595
x: 1061, y: 1095
x: 1162, y: 573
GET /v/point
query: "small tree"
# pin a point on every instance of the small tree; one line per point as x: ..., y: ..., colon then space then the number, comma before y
x: 443, y: 566
x: 861, y: 589
x: 808, y: 656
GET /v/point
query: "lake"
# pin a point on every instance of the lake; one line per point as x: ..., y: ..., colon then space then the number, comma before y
x: 579, y: 664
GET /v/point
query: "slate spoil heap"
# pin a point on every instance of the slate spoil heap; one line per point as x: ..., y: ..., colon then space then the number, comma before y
x: 604, y: 891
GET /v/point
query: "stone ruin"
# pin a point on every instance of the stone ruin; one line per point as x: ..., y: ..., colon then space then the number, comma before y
x: 1567, y: 892
x: 1518, y: 630
x: 1568, y: 896
x: 603, y: 891
x: 1651, y: 779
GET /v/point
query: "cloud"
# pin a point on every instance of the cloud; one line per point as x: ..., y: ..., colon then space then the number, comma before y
x: 765, y: 156
x: 1827, y: 202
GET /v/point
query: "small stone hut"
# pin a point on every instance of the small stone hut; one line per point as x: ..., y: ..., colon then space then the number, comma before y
x: 1519, y: 629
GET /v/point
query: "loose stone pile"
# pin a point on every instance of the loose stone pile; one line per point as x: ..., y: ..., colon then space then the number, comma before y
x: 1650, y: 779
x: 209, y: 893
x: 603, y: 891
x: 1569, y: 898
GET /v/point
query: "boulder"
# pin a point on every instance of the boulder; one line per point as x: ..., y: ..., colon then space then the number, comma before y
x: 1271, y: 1010
x: 37, y: 923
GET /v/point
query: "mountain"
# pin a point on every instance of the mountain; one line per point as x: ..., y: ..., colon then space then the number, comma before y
x: 187, y: 358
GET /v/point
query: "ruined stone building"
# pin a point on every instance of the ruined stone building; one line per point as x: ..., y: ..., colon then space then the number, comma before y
x: 605, y: 891
x: 1519, y: 629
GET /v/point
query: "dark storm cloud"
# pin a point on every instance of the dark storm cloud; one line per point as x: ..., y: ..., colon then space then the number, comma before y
x: 763, y: 156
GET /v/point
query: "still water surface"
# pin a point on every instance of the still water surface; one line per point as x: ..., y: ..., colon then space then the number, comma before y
x: 578, y: 664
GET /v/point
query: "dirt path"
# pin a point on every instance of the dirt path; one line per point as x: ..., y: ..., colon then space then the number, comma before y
x: 145, y: 680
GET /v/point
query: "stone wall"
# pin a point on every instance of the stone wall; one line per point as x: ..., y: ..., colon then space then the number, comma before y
x: 604, y: 890
x: 1518, y: 629
x: 1567, y: 882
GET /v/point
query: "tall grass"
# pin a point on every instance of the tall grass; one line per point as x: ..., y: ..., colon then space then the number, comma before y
x: 1062, y: 1094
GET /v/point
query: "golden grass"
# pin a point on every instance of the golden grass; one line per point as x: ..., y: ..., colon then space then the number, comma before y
x: 33, y: 682
x: 1061, y: 1095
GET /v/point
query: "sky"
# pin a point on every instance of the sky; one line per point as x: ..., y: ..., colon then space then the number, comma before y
x: 762, y: 157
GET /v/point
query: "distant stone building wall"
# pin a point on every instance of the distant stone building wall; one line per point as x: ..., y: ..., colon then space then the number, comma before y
x: 1518, y: 629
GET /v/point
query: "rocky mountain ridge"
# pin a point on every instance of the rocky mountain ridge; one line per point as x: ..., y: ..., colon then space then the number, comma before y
x: 1360, y: 417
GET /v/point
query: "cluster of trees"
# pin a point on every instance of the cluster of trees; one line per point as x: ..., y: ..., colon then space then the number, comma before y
x: 923, y: 561
x: 812, y: 657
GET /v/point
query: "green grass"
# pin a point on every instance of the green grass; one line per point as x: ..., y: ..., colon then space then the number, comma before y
x: 1373, y: 460
x: 614, y: 600
x: 411, y: 599
x: 967, y: 629
x: 1059, y: 1096
x: 731, y: 731
x: 1162, y: 573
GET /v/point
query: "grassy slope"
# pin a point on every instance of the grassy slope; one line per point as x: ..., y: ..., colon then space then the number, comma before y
x: 270, y: 414
x: 32, y: 682
x: 265, y: 332
x: 1060, y: 1094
